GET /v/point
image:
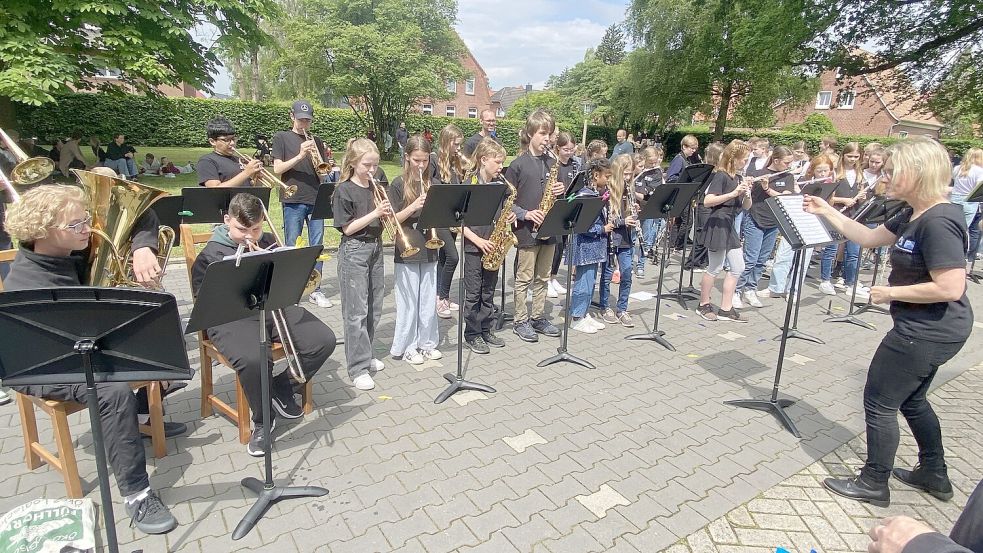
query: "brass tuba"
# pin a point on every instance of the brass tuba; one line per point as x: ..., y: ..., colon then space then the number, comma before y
x: 116, y: 205
x: 28, y: 171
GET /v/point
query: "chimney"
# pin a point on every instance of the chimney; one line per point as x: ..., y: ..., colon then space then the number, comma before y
x: 528, y: 88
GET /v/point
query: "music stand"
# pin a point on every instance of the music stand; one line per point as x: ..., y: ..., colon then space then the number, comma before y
x: 209, y: 205
x: 113, y: 334
x: 168, y: 210
x: 667, y: 200
x: 569, y: 217
x: 236, y: 289
x: 697, y: 176
x: 802, y: 230
x: 454, y: 205
x: 322, y: 204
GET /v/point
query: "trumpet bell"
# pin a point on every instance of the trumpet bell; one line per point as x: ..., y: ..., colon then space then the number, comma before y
x: 32, y: 170
x: 410, y: 251
x: 434, y: 244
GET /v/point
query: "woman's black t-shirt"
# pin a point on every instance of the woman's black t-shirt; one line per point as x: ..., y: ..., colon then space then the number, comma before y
x: 719, y: 230
x: 414, y: 236
x: 349, y: 202
x: 936, y: 240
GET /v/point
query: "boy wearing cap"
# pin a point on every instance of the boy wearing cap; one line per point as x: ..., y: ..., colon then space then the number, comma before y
x: 292, y: 162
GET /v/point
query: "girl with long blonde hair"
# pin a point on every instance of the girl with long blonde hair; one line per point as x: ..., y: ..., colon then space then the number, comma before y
x: 619, y: 243
x: 449, y: 166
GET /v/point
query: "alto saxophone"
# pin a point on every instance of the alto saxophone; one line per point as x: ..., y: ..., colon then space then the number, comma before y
x: 548, y: 197
x: 502, y: 236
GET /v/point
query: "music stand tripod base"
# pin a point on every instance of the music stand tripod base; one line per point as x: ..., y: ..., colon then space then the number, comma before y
x: 852, y: 319
x: 776, y: 408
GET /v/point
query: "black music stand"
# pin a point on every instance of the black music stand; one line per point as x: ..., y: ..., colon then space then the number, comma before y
x: 695, y: 175
x: 236, y: 289
x: 569, y: 217
x: 454, y: 205
x: 501, y: 316
x: 209, y: 205
x: 322, y: 204
x: 787, y: 227
x: 168, y: 210
x: 113, y: 334
x: 667, y: 200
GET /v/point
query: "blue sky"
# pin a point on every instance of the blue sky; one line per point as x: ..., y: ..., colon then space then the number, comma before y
x: 520, y: 42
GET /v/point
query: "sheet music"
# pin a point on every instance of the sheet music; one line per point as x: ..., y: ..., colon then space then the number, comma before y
x: 809, y: 227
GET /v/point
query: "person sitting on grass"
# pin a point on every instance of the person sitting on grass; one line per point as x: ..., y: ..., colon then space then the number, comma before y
x: 150, y: 166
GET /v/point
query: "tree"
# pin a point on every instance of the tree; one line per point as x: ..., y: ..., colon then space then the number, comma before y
x: 568, y: 117
x: 49, y: 46
x: 595, y: 82
x: 611, y: 51
x: 380, y: 56
x: 715, y: 55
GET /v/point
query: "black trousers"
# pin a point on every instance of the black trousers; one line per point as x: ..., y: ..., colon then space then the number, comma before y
x: 898, y: 379
x: 682, y: 230
x: 239, y: 343
x: 447, y: 259
x: 120, y: 429
x: 558, y: 252
x: 479, y: 296
x: 698, y: 256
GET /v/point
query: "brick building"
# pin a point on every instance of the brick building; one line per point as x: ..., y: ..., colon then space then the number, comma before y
x: 867, y: 105
x: 471, y: 95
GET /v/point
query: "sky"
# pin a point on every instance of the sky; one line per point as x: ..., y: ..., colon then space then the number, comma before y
x: 518, y: 42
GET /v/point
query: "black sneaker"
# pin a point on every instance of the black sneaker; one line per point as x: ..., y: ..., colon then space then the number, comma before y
x: 545, y: 328
x: 150, y: 515
x: 172, y: 430
x: 492, y: 340
x: 257, y: 440
x: 731, y: 315
x: 524, y: 331
x: 477, y: 345
x: 286, y: 405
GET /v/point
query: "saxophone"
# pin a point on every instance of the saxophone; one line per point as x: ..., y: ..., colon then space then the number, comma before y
x: 548, y: 197
x: 502, y: 236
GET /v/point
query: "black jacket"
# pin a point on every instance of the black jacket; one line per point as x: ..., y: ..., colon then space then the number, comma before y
x: 966, y: 535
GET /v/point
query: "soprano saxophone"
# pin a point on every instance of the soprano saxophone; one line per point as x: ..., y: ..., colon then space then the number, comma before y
x: 502, y: 236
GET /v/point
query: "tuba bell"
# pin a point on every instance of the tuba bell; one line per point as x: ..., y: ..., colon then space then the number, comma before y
x: 116, y: 205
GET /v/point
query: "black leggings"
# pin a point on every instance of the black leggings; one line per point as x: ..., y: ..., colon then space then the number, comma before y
x: 447, y: 260
x: 558, y: 255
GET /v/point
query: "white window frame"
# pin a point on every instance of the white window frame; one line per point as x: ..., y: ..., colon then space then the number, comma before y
x: 851, y: 95
x: 472, y: 113
x: 828, y: 95
x: 469, y: 86
x: 451, y: 86
x: 426, y: 109
x: 500, y: 112
x: 108, y: 73
x: 450, y: 111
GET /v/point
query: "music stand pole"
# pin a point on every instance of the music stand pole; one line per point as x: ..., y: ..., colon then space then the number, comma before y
x: 657, y: 335
x: 796, y: 292
x: 503, y: 317
x: 562, y: 354
x: 850, y: 317
x: 774, y: 405
x: 85, y: 349
x: 870, y: 306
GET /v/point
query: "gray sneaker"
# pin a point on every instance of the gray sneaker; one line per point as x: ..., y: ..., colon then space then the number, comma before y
x: 609, y: 316
x: 625, y: 319
x: 150, y: 515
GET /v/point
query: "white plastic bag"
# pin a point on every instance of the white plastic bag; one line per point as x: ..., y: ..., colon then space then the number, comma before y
x: 49, y: 526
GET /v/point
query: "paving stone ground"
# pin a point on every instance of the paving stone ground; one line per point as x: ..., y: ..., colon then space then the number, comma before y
x: 639, y: 454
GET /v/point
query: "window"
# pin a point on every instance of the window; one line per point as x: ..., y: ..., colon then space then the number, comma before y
x: 500, y: 112
x: 426, y: 109
x: 108, y: 73
x: 472, y: 113
x: 469, y: 86
x: 846, y: 99
x: 451, y: 111
x: 902, y: 134
x: 452, y: 86
x: 824, y: 99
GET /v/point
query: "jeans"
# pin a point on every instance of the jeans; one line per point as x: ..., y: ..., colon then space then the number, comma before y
x: 758, y: 244
x: 294, y: 216
x: 447, y: 259
x: 416, y: 308
x: 974, y: 236
x: 624, y: 264
x: 899, y: 377
x: 361, y: 282
x: 780, y: 271
x: 739, y: 223
x: 650, y: 231
x: 534, y: 263
x: 851, y: 255
x: 970, y: 211
x: 124, y: 166
x: 583, y: 289
x: 479, y: 296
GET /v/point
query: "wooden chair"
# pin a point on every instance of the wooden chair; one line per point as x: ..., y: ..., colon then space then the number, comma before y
x: 209, y: 401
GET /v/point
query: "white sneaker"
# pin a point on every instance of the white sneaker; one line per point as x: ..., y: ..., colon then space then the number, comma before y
x: 318, y: 298
x: 377, y: 365
x: 766, y: 293
x: 751, y: 297
x: 737, y: 303
x: 364, y: 382
x: 551, y: 290
x: 584, y: 325
x: 839, y: 284
x: 826, y: 287
x: 558, y: 287
x: 863, y: 294
x: 432, y: 355
x: 594, y: 322
x: 413, y: 357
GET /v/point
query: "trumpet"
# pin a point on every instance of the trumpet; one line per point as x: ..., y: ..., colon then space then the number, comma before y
x: 28, y: 170
x: 433, y: 243
x: 390, y: 223
x: 321, y: 167
x: 267, y: 178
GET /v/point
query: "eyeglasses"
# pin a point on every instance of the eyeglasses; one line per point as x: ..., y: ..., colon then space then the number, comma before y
x: 231, y: 138
x: 77, y: 227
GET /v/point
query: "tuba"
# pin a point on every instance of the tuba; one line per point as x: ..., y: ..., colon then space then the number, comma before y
x: 116, y: 205
x: 28, y: 170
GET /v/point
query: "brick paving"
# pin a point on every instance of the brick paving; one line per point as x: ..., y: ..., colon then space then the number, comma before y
x: 640, y: 454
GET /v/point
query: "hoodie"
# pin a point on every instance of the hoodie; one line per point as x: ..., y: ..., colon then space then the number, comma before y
x: 218, y: 246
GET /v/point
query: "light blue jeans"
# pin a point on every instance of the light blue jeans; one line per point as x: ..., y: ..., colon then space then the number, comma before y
x: 416, y: 308
x: 624, y: 265
x: 758, y: 244
x: 851, y: 256
x: 294, y: 216
x: 583, y: 289
x: 124, y: 166
x: 780, y: 271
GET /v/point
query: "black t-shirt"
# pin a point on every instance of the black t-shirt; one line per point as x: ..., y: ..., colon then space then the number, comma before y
x: 647, y: 184
x: 434, y: 170
x: 286, y: 145
x: 719, y: 228
x: 469, y: 146
x: 528, y: 174
x: 349, y: 202
x: 484, y: 231
x: 759, y: 211
x: 116, y: 151
x: 568, y: 171
x: 414, y: 236
x: 214, y: 166
x: 936, y: 240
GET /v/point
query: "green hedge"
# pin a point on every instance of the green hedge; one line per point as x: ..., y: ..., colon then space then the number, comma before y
x: 162, y: 121
x: 957, y: 145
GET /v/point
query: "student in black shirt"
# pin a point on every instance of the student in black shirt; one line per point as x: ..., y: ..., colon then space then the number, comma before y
x: 221, y: 167
x: 449, y: 166
x: 292, y: 162
x: 932, y: 318
x: 569, y: 167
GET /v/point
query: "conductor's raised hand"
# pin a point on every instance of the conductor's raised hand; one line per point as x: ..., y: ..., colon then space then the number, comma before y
x: 815, y: 205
